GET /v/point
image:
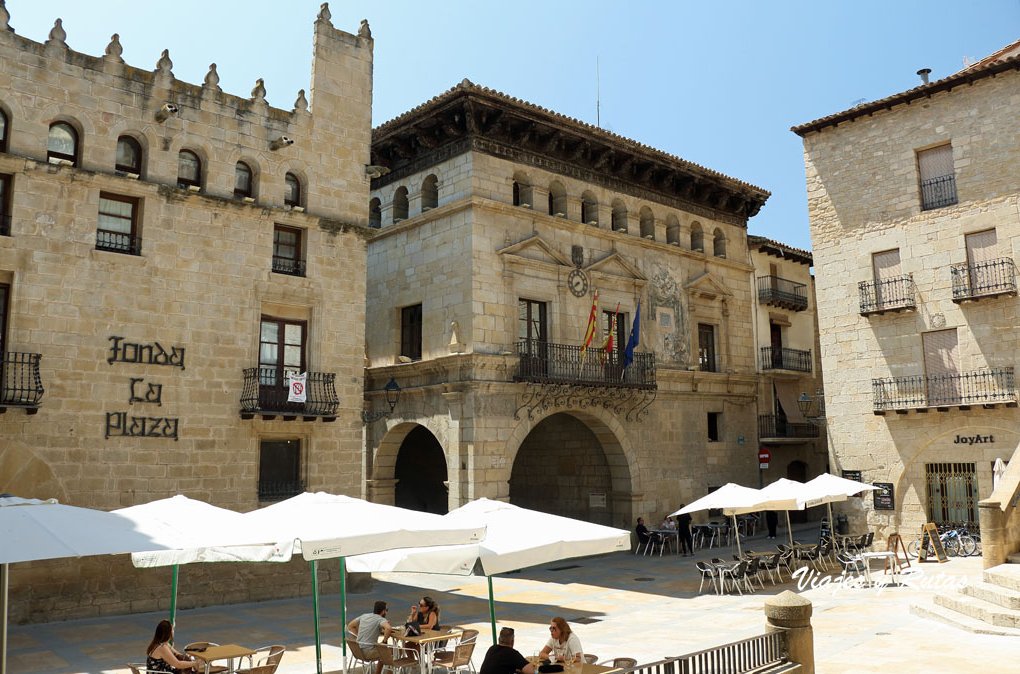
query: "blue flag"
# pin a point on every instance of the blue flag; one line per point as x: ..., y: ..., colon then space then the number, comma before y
x: 635, y: 337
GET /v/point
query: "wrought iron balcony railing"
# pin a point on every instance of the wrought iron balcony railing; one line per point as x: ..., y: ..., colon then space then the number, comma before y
x: 785, y: 359
x: 5, y: 224
x: 775, y: 426
x: 277, y: 490
x: 891, y: 294
x: 20, y: 382
x: 983, y: 279
x: 288, y: 265
x: 981, y: 387
x: 938, y: 192
x: 781, y: 292
x: 118, y: 242
x: 265, y: 392
x: 544, y: 362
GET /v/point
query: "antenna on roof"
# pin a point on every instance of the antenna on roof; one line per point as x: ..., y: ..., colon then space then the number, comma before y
x: 598, y: 93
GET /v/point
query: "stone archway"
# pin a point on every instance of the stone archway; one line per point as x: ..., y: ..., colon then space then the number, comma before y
x: 420, y: 473
x: 572, y: 464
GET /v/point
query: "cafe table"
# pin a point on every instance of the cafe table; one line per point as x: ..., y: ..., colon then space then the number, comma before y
x: 891, y: 563
x: 577, y: 667
x: 225, y: 652
x: 670, y: 535
x: 428, y: 643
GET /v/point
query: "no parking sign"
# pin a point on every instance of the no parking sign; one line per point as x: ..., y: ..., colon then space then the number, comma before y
x: 764, y: 456
x: 296, y: 385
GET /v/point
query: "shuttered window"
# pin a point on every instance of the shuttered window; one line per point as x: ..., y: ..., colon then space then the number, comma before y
x: 938, y: 182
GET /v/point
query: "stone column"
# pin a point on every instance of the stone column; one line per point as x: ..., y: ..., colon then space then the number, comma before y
x: 994, y: 548
x: 790, y: 613
x: 382, y: 491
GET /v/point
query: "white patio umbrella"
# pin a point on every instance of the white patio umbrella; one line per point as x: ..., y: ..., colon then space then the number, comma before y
x: 33, y: 529
x: 515, y: 538
x: 222, y: 536
x: 828, y: 489
x: 328, y: 526
x: 783, y: 494
x: 733, y: 499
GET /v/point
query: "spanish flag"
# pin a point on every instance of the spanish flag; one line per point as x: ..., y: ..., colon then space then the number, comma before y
x: 607, y: 346
x: 589, y: 332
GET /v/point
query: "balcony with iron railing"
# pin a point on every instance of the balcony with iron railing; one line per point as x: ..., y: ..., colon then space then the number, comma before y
x: 278, y: 490
x: 288, y: 265
x: 982, y: 280
x: 887, y: 295
x: 773, y: 426
x: 963, y: 390
x: 938, y: 192
x: 548, y: 363
x: 781, y: 292
x: 785, y: 359
x: 118, y: 242
x: 265, y: 393
x: 20, y: 381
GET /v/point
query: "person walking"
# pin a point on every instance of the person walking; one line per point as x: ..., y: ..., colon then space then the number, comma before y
x: 772, y: 521
x: 683, y: 523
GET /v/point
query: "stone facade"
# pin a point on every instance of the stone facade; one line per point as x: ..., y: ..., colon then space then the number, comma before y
x: 919, y: 347
x: 519, y: 210
x: 145, y: 332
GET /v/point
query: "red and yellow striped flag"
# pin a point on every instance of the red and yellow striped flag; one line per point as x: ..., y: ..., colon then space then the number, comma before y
x: 607, y: 346
x: 589, y: 332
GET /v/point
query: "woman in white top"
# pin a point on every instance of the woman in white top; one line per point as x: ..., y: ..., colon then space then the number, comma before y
x: 563, y: 643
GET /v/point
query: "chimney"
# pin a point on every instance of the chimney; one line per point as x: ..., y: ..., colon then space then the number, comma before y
x: 924, y: 72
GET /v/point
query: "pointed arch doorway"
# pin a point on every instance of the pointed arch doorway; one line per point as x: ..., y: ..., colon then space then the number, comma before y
x: 420, y: 473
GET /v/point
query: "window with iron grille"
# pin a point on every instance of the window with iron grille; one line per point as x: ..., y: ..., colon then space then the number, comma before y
x: 287, y: 256
x: 279, y: 469
x: 410, y: 332
x: 117, y: 230
x: 706, y: 348
x: 952, y: 493
x: 938, y: 181
x: 5, y: 205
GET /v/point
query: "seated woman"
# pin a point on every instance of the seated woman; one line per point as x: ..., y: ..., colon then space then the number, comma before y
x: 425, y: 614
x: 160, y: 656
x: 563, y: 643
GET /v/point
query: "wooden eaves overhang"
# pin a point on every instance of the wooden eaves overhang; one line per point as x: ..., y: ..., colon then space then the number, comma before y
x: 469, y: 117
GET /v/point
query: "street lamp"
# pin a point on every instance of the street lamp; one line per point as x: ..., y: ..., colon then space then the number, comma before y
x: 813, y: 409
x: 392, y: 390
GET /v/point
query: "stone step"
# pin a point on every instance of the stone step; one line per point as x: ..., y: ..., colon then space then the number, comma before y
x: 960, y: 621
x: 980, y: 610
x: 1004, y: 575
x: 994, y: 594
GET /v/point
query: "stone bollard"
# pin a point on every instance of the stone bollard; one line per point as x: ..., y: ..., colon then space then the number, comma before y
x: 789, y: 612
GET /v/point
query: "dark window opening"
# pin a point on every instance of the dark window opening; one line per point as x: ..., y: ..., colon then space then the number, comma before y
x: 244, y: 181
x: 706, y: 348
x: 287, y: 258
x: 62, y: 144
x: 375, y: 213
x: 5, y: 205
x: 410, y: 332
x: 713, y: 426
x: 292, y: 190
x: 129, y: 156
x: 189, y: 170
x: 279, y: 469
x: 117, y: 230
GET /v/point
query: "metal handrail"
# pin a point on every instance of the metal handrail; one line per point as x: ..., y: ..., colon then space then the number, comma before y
x: 20, y: 381
x: 891, y: 294
x: 938, y: 192
x: 983, y: 279
x: 785, y: 359
x: 118, y: 242
x: 979, y: 387
x: 738, y: 657
x: 782, y: 292
x: 545, y: 362
x: 277, y: 490
x: 288, y: 265
x: 775, y: 426
x: 265, y: 392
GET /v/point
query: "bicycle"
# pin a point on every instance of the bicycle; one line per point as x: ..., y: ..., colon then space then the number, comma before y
x: 955, y: 541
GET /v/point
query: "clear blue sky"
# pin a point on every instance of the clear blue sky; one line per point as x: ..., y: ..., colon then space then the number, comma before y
x: 717, y: 83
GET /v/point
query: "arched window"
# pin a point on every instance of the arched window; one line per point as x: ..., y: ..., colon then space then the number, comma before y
x: 62, y: 144
x: 189, y: 170
x: 400, y: 204
x: 719, y: 243
x: 522, y: 191
x: 672, y: 230
x: 375, y: 213
x: 3, y: 132
x: 697, y: 237
x: 589, y: 209
x: 129, y: 156
x: 647, y: 223
x: 291, y: 190
x: 429, y: 193
x: 619, y: 216
x: 557, y: 199
x: 244, y: 181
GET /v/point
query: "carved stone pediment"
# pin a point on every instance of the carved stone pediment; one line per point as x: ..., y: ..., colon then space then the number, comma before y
x: 707, y: 286
x: 535, y: 249
x: 615, y: 265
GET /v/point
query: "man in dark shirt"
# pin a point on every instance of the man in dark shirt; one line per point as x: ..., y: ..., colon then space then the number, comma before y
x: 502, y: 658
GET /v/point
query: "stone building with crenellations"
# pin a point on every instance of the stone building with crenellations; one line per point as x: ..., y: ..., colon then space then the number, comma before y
x: 498, y: 222
x: 913, y: 203
x: 170, y: 252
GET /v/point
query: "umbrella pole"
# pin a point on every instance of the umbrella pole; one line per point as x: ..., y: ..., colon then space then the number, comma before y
x: 3, y: 618
x: 343, y: 612
x: 789, y: 528
x: 173, y: 593
x: 315, y: 613
x: 492, y: 611
x: 736, y: 534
